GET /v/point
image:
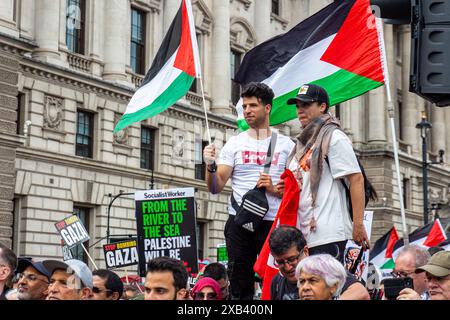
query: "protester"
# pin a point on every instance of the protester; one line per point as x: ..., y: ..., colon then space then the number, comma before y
x: 70, y: 280
x: 106, y: 285
x: 206, y: 289
x: 242, y: 159
x: 438, y: 275
x: 166, y: 279
x: 408, y: 260
x: 323, y: 156
x: 130, y: 291
x: 288, y: 248
x: 320, y: 277
x: 8, y: 264
x: 33, y: 280
x: 218, y: 272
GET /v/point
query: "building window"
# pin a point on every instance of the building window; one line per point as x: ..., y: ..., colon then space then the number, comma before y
x: 201, y: 233
x: 200, y: 165
x: 236, y: 59
x: 147, y: 148
x: 137, y: 55
x: 83, y: 214
x: 75, y: 25
x: 406, y: 186
x: 85, y: 134
x: 276, y: 7
x: 20, y: 113
x: 337, y: 110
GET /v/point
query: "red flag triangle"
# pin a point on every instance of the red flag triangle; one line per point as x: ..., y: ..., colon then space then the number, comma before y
x: 436, y: 235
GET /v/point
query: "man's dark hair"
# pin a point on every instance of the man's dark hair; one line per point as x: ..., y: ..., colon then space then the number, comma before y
x: 284, y: 237
x: 179, y: 272
x: 216, y: 271
x: 259, y: 90
x: 112, y: 281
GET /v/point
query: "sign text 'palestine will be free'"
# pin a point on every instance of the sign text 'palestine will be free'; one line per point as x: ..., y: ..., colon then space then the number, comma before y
x: 166, y: 226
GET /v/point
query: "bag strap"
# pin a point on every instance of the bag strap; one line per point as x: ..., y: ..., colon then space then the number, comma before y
x: 270, y: 152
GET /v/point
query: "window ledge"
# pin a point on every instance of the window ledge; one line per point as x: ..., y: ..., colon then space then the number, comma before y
x: 122, y: 149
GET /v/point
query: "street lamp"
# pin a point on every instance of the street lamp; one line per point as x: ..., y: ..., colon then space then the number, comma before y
x: 424, y: 126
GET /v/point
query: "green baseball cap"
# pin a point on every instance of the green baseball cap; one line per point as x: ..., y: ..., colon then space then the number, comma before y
x: 438, y: 266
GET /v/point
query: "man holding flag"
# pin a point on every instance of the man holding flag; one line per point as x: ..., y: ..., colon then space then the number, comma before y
x: 242, y: 159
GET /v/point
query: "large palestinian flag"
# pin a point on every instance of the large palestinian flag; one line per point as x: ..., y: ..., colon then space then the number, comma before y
x: 381, y: 254
x: 171, y: 75
x: 339, y: 48
x: 428, y: 236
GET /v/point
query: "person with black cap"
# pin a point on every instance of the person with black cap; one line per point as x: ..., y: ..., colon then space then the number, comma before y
x: 69, y: 280
x: 324, y: 155
x: 33, y: 278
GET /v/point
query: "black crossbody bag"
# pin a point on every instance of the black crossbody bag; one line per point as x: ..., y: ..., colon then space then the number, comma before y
x: 254, y: 206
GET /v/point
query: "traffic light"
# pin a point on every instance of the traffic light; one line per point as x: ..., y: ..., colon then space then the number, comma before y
x: 430, y: 43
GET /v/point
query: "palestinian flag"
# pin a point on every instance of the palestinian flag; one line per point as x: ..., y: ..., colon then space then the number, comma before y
x: 286, y: 215
x: 171, y: 75
x: 446, y: 244
x: 430, y: 235
x: 381, y: 254
x: 339, y: 48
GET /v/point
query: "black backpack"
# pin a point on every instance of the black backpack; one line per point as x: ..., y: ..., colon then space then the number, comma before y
x: 369, y: 190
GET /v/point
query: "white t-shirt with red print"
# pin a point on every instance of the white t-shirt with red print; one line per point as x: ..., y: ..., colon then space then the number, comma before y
x: 332, y: 218
x: 247, y: 157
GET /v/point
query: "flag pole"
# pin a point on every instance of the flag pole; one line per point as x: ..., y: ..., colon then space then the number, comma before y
x: 89, y: 256
x: 204, y: 109
x: 391, y: 114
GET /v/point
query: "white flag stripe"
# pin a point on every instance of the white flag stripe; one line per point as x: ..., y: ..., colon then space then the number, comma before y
x: 304, y: 67
x: 145, y: 95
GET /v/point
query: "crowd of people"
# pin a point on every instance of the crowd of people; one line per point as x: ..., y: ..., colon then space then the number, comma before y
x: 309, y: 254
x: 301, y: 277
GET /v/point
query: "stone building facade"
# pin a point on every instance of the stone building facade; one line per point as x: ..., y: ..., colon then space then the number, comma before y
x: 61, y: 93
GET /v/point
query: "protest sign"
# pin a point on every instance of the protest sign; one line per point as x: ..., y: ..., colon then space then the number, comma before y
x: 165, y: 221
x: 352, y: 251
x: 66, y: 252
x: 121, y: 254
x: 72, y: 231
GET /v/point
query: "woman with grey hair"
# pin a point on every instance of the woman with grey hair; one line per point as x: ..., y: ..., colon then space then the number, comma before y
x: 320, y: 277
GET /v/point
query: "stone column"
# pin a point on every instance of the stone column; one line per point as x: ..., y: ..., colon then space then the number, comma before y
x: 410, y: 113
x: 116, y: 30
x: 438, y: 130
x: 9, y: 142
x: 263, y: 12
x: 390, y: 52
x: 221, y: 79
x: 377, y: 116
x: 96, y: 40
x: 171, y: 8
x: 355, y: 109
x: 47, y: 28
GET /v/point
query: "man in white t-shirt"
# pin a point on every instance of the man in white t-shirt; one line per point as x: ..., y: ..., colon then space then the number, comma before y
x: 242, y: 159
x: 323, y: 156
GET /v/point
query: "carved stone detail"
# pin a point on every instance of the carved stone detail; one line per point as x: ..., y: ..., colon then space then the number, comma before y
x: 52, y: 112
x: 120, y: 137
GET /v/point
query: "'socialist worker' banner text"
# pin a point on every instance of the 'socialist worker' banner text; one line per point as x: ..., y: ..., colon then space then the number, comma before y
x: 165, y: 222
x: 72, y: 231
x: 121, y: 254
